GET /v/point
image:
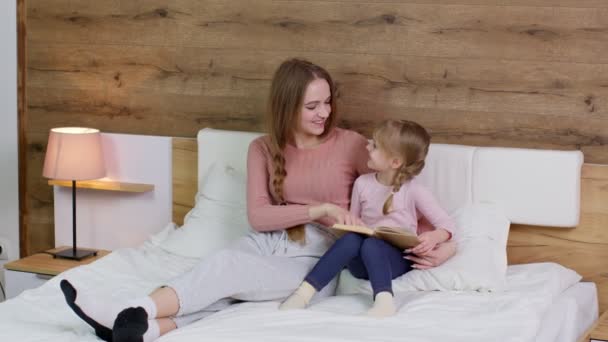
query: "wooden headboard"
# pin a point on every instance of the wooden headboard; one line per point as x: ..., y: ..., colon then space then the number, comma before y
x: 185, y: 176
x: 584, y: 248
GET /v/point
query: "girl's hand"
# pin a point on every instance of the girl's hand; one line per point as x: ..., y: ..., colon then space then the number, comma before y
x: 435, y: 257
x: 341, y: 215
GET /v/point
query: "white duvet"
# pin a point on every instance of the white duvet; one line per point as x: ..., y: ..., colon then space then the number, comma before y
x: 515, y: 315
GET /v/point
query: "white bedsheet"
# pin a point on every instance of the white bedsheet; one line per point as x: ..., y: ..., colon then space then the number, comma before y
x: 516, y: 315
x: 570, y: 315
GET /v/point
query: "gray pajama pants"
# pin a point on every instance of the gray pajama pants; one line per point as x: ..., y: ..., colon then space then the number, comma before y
x: 257, y: 267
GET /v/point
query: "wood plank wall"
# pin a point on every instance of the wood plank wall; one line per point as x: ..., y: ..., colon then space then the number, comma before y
x: 22, y: 124
x: 529, y: 73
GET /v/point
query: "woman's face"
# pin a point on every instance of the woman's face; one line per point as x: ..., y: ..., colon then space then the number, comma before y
x: 316, y: 108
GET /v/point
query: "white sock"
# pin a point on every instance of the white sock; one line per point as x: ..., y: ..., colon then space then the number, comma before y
x: 145, y: 302
x: 101, y: 311
x: 384, y: 305
x: 105, y: 313
x: 300, y: 298
x: 153, y: 332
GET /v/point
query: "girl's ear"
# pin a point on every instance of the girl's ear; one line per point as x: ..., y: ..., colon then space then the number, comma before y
x: 396, y: 163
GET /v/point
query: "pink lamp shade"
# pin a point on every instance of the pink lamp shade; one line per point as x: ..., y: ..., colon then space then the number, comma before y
x: 74, y: 153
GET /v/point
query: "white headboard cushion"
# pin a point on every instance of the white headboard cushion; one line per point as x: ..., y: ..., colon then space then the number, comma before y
x: 447, y: 174
x: 229, y: 147
x: 536, y: 187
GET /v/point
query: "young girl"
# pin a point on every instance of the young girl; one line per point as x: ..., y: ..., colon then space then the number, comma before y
x: 389, y: 197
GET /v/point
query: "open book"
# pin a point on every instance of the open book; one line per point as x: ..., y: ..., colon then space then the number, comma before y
x: 395, y: 236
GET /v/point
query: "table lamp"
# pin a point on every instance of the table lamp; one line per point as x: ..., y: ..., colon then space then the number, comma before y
x: 74, y: 153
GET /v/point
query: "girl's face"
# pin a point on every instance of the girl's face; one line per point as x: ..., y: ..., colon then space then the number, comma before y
x: 316, y: 108
x: 379, y: 159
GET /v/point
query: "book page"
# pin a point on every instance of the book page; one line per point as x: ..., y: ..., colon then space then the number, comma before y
x: 354, y: 229
x: 394, y: 230
x: 397, y: 237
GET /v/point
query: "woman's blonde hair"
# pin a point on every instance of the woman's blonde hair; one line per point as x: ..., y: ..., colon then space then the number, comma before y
x: 408, y: 141
x: 287, y: 91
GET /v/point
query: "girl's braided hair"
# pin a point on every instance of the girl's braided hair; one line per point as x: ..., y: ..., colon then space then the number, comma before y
x: 406, y: 140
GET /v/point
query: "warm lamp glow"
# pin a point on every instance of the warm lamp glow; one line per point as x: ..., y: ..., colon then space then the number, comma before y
x: 74, y: 153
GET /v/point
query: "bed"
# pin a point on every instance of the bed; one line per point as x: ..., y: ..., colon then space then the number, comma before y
x: 541, y: 301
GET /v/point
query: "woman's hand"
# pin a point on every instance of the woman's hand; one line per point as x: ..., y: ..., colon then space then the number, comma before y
x: 435, y: 257
x: 428, y: 241
x: 341, y: 215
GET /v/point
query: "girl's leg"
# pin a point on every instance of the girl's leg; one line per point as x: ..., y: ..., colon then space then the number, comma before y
x: 383, y: 263
x: 334, y: 260
x: 329, y: 266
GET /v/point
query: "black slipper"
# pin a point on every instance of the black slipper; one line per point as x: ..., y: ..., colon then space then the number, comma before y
x: 130, y: 325
x: 69, y: 292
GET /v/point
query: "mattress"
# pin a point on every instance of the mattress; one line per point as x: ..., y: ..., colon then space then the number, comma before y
x: 525, y: 313
x: 570, y: 315
x: 462, y: 319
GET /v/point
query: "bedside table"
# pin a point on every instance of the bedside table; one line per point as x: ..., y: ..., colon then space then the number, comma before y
x: 34, y: 270
x: 599, y: 330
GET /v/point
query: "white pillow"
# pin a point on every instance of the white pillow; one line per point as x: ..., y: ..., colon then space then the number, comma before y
x: 218, y: 218
x: 480, y: 264
x: 226, y: 184
x: 545, y: 277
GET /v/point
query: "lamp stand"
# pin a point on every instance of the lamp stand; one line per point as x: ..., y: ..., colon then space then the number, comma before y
x: 74, y: 253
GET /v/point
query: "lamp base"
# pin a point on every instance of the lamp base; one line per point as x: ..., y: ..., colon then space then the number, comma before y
x: 68, y: 253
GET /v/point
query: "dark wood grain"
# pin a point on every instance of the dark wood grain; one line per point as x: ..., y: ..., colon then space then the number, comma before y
x: 22, y: 127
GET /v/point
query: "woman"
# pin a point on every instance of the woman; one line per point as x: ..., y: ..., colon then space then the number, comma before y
x: 299, y: 179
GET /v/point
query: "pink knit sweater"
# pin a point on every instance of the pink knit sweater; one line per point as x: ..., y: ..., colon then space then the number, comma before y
x: 323, y: 174
x: 411, y: 203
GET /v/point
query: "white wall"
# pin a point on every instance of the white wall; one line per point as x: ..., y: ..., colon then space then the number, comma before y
x: 110, y: 219
x: 9, y: 200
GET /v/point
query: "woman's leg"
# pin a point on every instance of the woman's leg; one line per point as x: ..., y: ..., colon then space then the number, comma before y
x: 226, y: 274
x: 240, y: 275
x: 329, y: 266
x: 166, y: 301
x: 165, y: 325
x: 99, y: 314
x: 246, y: 271
x: 182, y: 321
